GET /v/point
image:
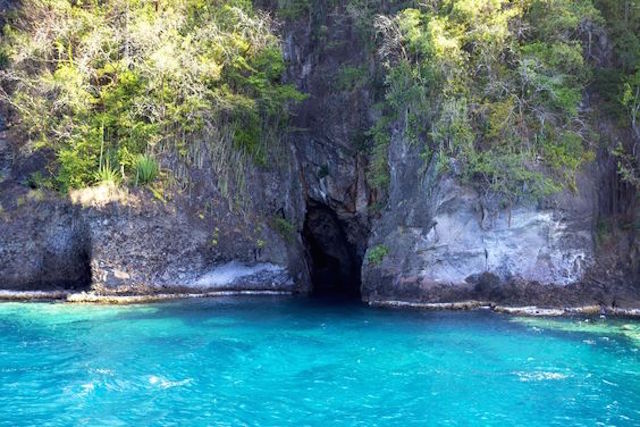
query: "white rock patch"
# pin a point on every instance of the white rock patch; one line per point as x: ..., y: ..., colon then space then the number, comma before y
x: 232, y: 272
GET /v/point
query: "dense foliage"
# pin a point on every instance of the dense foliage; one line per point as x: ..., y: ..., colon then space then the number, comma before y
x: 492, y: 89
x: 103, y: 83
x: 618, y: 82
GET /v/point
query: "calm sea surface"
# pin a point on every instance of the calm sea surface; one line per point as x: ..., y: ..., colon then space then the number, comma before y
x: 277, y: 362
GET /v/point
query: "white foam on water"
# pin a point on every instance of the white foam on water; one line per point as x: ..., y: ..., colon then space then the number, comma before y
x: 540, y: 376
x: 165, y: 383
x: 101, y: 371
x: 85, y: 389
x: 230, y: 272
x: 88, y: 387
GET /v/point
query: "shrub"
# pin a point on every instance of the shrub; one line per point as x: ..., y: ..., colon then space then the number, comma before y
x: 122, y: 76
x: 286, y: 229
x: 376, y: 254
x: 494, y: 84
x: 107, y: 174
x: 350, y: 78
x: 146, y: 169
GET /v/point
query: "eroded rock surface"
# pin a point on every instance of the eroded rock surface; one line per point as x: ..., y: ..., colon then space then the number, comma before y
x: 446, y: 243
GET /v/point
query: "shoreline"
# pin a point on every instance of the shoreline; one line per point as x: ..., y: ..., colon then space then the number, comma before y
x: 529, y: 311
x: 71, y: 297
x: 115, y: 299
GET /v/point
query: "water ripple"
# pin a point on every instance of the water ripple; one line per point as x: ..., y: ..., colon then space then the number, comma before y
x: 293, y: 362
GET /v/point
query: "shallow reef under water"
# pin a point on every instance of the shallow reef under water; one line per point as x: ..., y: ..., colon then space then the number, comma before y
x: 598, y: 327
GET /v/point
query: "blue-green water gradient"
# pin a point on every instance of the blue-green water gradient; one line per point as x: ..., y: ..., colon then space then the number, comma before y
x: 278, y: 362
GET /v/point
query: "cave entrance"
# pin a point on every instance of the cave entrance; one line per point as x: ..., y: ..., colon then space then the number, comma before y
x: 334, y: 262
x: 66, y: 263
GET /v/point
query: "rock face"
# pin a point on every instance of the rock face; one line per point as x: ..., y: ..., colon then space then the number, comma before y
x: 446, y: 242
x: 139, y: 240
x: 49, y: 247
x: 462, y: 249
x: 109, y: 241
x: 311, y: 220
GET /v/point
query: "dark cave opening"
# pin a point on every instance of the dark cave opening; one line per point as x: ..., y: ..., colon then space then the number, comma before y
x: 67, y: 264
x: 334, y: 262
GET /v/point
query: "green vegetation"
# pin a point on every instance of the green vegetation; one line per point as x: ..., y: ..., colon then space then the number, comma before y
x: 618, y: 83
x: 376, y: 254
x: 103, y: 83
x: 146, y: 169
x: 492, y: 86
x: 350, y: 78
x: 629, y: 165
x: 492, y: 90
x: 378, y: 173
x: 107, y: 174
x: 38, y: 181
x: 293, y: 9
x: 286, y: 229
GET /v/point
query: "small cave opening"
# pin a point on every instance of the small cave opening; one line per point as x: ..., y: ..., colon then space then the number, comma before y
x: 334, y: 262
x: 66, y: 263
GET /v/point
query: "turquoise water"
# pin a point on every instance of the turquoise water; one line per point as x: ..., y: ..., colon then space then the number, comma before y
x: 297, y: 362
